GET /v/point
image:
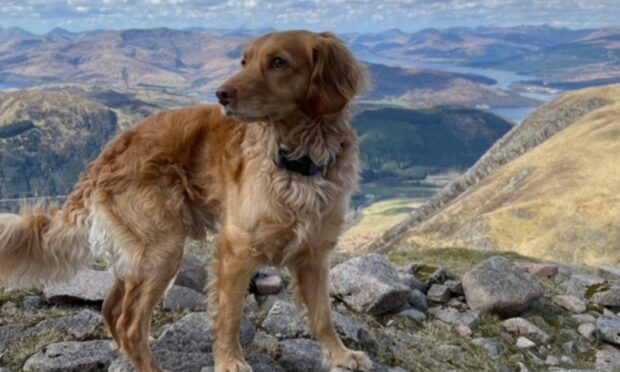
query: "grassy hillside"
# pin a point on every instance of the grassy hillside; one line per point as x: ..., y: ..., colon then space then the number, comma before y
x: 560, y: 200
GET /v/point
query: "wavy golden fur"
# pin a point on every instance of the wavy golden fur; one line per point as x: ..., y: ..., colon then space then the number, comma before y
x: 183, y: 172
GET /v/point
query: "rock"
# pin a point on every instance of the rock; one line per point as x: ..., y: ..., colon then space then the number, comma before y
x: 182, y: 298
x: 412, y: 314
x: 417, y: 299
x: 88, y: 285
x: 524, y: 327
x: 552, y: 360
x: 192, y: 274
x: 264, y: 363
x: 285, y: 320
x: 301, y: 355
x: 73, y: 356
x: 607, y: 312
x: 609, y: 297
x: 608, y: 329
x: 172, y: 361
x: 268, y: 284
x: 455, y: 287
x: 571, y: 303
x: 610, y: 273
x: 498, y: 286
x: 579, y: 284
x: 411, y: 281
x: 587, y: 330
x: 449, y: 315
x: 353, y: 331
x: 32, y: 303
x: 193, y: 334
x: 10, y: 334
x: 438, y: 293
x: 539, y: 270
x: 464, y: 331
x: 608, y: 359
x: 525, y: 343
x: 78, y: 325
x: 583, y: 318
x: 250, y: 304
x: 492, y: 348
x: 368, y: 284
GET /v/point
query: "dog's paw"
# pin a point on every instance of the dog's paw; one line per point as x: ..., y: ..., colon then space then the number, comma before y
x: 233, y: 365
x: 350, y: 361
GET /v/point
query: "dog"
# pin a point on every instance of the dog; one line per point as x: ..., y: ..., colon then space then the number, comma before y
x: 271, y: 169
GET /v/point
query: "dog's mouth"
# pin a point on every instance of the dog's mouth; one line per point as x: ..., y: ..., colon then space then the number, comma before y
x: 240, y: 115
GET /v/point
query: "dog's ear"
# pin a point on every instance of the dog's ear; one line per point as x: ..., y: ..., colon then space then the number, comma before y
x: 337, y: 77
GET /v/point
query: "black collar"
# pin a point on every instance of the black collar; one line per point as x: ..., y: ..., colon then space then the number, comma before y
x: 304, y: 165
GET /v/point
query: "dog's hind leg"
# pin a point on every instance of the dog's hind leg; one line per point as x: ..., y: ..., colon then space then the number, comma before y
x: 112, y: 307
x: 143, y: 290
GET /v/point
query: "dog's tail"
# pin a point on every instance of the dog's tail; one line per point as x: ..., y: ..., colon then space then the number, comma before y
x: 43, y: 245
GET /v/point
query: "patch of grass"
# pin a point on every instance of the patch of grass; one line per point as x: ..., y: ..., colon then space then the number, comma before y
x: 17, y: 354
x: 458, y: 260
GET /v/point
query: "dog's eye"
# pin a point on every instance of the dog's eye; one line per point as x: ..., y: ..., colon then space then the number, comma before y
x: 278, y: 63
x: 243, y: 62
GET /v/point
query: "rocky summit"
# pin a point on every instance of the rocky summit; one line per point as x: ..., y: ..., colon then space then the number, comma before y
x: 494, y: 315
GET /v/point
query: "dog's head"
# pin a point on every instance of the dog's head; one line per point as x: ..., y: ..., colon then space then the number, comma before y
x: 286, y: 73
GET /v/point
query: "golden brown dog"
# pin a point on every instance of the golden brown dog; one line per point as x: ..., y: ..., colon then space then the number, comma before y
x: 273, y: 174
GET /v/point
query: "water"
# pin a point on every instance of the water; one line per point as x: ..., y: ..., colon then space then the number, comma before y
x: 505, y: 80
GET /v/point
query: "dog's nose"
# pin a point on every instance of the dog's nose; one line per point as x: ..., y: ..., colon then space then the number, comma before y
x: 225, y: 94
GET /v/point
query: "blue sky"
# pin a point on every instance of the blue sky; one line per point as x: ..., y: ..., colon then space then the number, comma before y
x: 338, y: 15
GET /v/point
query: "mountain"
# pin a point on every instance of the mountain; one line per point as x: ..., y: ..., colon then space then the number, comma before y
x: 47, y: 136
x: 196, y: 61
x: 550, y: 188
x: 409, y: 144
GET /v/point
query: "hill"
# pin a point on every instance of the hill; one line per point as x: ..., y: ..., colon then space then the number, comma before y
x: 197, y: 61
x: 558, y: 200
x: 48, y: 135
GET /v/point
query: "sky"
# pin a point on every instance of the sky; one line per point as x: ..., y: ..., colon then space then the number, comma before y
x: 338, y: 15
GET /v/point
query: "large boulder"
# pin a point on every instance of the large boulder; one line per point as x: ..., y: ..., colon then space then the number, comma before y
x: 498, y: 286
x: 192, y: 274
x: 88, y: 285
x: 73, y: 356
x: 369, y: 284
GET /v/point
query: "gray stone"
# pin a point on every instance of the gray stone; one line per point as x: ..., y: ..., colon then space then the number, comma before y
x: 525, y: 343
x: 413, y: 314
x: 579, y: 284
x: 368, y: 284
x: 609, y: 329
x: 417, y: 299
x: 571, y: 303
x: 192, y: 274
x: 172, y: 361
x: 455, y: 287
x: 301, y: 355
x: 449, y: 315
x: 182, y: 298
x: 87, y: 285
x: 353, y: 331
x: 587, y: 330
x: 193, y: 334
x: 411, y: 281
x: 539, y: 270
x: 610, y: 273
x: 492, y: 347
x: 268, y: 284
x: 31, y: 303
x: 609, y: 297
x: 552, y: 360
x: 608, y: 359
x: 78, y: 325
x: 9, y: 334
x: 438, y: 293
x: 285, y: 320
x: 523, y: 327
x: 264, y: 363
x: 73, y: 356
x: 498, y: 286
x: 583, y: 318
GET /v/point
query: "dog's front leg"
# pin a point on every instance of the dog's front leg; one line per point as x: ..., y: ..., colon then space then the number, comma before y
x: 313, y: 289
x: 234, y: 267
